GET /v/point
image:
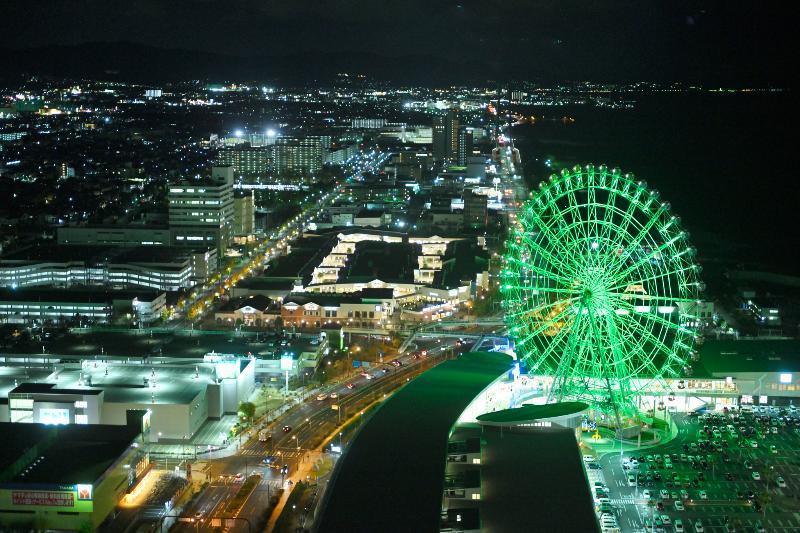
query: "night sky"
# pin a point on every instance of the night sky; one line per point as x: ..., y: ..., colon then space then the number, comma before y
x: 726, y: 41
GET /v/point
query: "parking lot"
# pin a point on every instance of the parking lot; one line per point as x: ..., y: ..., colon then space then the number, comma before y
x: 731, y: 471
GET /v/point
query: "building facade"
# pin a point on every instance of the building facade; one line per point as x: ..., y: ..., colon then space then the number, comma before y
x: 201, y: 213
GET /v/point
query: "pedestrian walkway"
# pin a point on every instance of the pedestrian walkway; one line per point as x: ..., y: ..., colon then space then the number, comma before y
x: 305, y: 471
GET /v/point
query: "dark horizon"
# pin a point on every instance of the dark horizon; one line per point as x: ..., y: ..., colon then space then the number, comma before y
x: 694, y: 42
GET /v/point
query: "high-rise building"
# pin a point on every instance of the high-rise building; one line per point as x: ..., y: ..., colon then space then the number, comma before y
x: 475, y: 210
x: 248, y: 162
x: 439, y: 140
x: 464, y: 145
x: 299, y: 156
x: 445, y: 136
x: 201, y: 211
x: 244, y: 213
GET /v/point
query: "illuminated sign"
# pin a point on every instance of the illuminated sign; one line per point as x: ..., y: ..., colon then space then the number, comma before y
x: 286, y: 362
x: 84, y: 492
x: 48, y: 415
x: 40, y: 497
x: 786, y: 378
x: 762, y: 399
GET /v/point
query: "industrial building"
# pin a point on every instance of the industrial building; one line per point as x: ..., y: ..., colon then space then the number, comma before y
x: 68, y: 478
x: 181, y: 395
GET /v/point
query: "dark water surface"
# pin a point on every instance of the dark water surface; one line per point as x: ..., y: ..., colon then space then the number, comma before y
x: 726, y: 163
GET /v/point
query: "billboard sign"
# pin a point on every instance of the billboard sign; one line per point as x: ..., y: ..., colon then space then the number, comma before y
x: 84, y: 492
x: 286, y: 362
x: 42, y: 497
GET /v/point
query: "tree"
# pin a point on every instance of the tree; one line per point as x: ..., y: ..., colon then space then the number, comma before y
x: 764, y: 499
x: 247, y: 410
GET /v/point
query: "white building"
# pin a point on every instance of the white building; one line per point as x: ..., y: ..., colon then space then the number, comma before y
x: 201, y: 213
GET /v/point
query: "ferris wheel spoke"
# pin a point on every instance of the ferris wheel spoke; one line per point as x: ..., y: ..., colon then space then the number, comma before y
x: 647, y: 315
x: 628, y: 218
x: 575, y: 211
x: 677, y: 272
x: 610, y: 209
x: 647, y: 364
x: 546, y: 324
x: 549, y: 274
x: 547, y: 255
x: 652, y: 254
x: 570, y: 356
x: 645, y: 229
x: 650, y: 297
x: 544, y: 357
x: 648, y: 334
x: 542, y: 307
x: 557, y: 241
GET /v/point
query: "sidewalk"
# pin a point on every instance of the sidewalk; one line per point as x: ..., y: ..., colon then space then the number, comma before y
x: 307, y: 469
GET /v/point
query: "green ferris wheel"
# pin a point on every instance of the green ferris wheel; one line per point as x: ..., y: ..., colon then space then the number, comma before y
x: 600, y: 289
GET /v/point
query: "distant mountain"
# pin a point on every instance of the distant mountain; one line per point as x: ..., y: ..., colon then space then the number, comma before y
x: 142, y: 63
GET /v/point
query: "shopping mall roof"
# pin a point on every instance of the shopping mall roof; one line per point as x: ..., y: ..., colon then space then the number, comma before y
x: 534, y: 481
x: 72, y: 295
x: 529, y: 413
x: 127, y: 383
x: 89, y: 254
x: 71, y: 454
x: 726, y: 357
x: 391, y: 478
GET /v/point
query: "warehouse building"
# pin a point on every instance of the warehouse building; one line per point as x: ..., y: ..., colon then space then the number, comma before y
x: 68, y: 477
x: 181, y: 396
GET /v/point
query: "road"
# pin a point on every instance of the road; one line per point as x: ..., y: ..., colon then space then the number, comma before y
x: 310, y: 423
x: 270, y: 247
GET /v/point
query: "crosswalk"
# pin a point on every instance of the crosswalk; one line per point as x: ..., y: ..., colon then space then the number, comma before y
x: 625, y: 500
x: 284, y: 453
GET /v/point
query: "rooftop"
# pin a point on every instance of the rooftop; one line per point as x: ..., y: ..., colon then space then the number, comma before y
x: 534, y: 474
x: 747, y: 355
x: 528, y: 413
x: 262, y: 303
x: 126, y: 383
x: 97, y: 254
x: 74, y: 295
x: 381, y: 260
x: 63, y: 454
x: 420, y: 417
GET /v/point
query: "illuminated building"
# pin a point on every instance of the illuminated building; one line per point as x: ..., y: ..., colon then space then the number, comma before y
x: 201, y: 212
x: 180, y: 398
x: 244, y: 212
x: 21, y: 306
x: 464, y: 145
x: 248, y: 162
x: 299, y: 156
x: 446, y: 136
x: 165, y: 268
x: 68, y: 478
